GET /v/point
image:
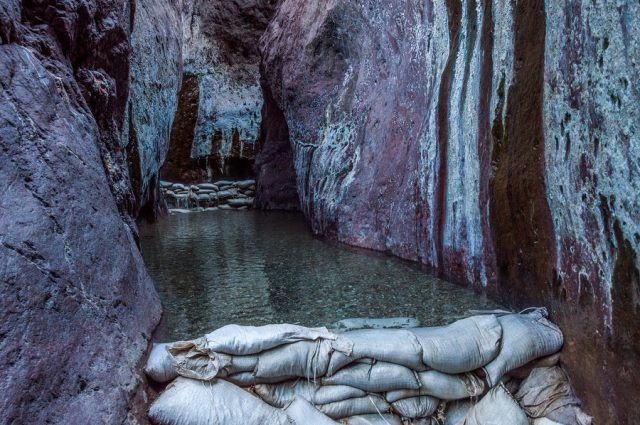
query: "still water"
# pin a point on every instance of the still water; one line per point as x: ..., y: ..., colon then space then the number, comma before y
x: 255, y: 268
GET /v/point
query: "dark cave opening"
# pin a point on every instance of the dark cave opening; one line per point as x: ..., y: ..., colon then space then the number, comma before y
x: 238, y: 168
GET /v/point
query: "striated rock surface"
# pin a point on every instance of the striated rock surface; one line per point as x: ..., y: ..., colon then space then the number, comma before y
x: 77, y: 305
x: 495, y: 142
x: 219, y: 109
x: 155, y: 77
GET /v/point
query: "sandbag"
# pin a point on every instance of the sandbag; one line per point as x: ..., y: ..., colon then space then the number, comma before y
x: 456, y: 411
x: 523, y: 371
x: 374, y: 419
x: 191, y: 402
x: 377, y: 378
x: 442, y: 386
x: 547, y: 393
x: 303, y: 413
x: 193, y: 363
x: 525, y: 337
x: 239, y: 364
x: 369, y: 404
x: 397, y: 346
x: 423, y: 421
x: 248, y: 379
x: 368, y: 323
x: 463, y: 346
x: 451, y: 387
x: 211, y: 356
x: 244, y: 340
x: 496, y: 408
x: 545, y: 421
x: 396, y: 395
x: 308, y: 359
x: 160, y: 367
x: 279, y: 395
x: 416, y: 407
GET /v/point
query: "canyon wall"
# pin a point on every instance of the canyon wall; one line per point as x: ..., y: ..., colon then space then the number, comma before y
x: 155, y: 79
x: 496, y: 142
x: 219, y: 111
x: 78, y: 161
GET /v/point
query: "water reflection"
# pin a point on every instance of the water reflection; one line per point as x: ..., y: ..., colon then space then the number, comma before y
x: 255, y: 268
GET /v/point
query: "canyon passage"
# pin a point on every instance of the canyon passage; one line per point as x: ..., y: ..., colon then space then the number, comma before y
x: 489, y: 144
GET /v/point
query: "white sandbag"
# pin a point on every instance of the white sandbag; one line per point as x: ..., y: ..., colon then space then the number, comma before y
x: 416, y: 407
x: 525, y: 337
x: 456, y: 411
x: 248, y: 379
x: 463, y: 346
x: 423, y: 421
x: 160, y: 367
x: 547, y: 393
x: 243, y: 340
x: 308, y: 359
x: 397, y: 346
x: 209, y: 357
x: 496, y: 408
x: 279, y: 395
x: 239, y: 364
x: 192, y: 402
x: 374, y: 419
x: 304, y: 413
x: 523, y: 371
x: 369, y: 404
x: 205, y: 366
x: 451, y: 387
x: 377, y: 378
x: 545, y: 421
x: 368, y: 323
x: 393, y: 396
x: 442, y: 386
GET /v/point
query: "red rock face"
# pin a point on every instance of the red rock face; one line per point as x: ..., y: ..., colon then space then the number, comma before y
x: 496, y: 143
x: 77, y: 306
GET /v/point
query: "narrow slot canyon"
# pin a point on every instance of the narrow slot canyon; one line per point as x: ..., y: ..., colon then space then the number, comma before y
x: 309, y: 212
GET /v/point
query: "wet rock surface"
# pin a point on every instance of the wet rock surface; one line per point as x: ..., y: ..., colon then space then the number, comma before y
x: 494, y: 142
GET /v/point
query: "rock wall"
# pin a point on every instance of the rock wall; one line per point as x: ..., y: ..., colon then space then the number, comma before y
x: 496, y: 142
x: 221, y: 107
x: 77, y: 306
x: 155, y: 77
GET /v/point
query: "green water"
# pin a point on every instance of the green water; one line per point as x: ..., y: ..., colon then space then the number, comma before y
x: 254, y: 268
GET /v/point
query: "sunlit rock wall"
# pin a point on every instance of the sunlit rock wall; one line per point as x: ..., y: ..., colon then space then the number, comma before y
x: 77, y: 306
x: 494, y: 141
x: 224, y: 108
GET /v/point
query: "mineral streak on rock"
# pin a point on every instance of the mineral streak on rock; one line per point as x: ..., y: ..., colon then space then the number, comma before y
x: 496, y: 142
x: 220, y: 52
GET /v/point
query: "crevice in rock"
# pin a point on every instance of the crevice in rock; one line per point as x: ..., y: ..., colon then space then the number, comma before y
x: 275, y: 172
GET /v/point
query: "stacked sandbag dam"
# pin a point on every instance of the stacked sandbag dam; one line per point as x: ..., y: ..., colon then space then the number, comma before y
x: 488, y: 369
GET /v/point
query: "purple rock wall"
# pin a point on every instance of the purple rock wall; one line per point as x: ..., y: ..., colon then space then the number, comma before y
x: 495, y: 142
x: 77, y: 306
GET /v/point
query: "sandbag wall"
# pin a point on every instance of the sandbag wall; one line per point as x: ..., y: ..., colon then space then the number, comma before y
x: 223, y: 195
x: 485, y: 369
